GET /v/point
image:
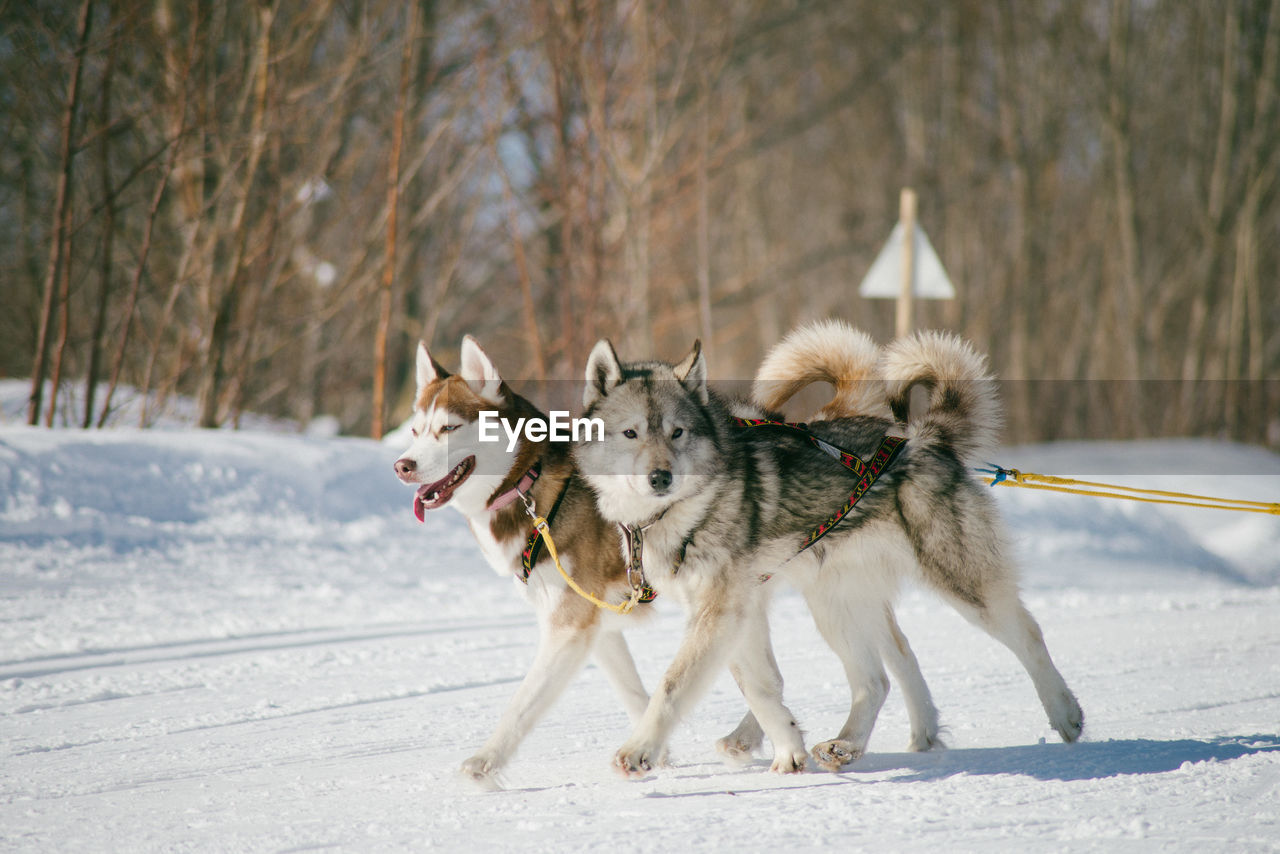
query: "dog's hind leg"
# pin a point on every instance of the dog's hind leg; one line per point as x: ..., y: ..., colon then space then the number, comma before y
x: 962, y: 554
x: 562, y: 650
x: 614, y: 657
x: 961, y: 550
x: 902, y: 663
x: 1006, y: 619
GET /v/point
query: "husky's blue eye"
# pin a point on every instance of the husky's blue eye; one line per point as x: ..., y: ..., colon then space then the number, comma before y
x: 449, y: 428
x: 677, y: 433
x: 630, y: 434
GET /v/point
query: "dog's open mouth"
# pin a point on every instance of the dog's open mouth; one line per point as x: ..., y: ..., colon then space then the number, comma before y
x: 432, y: 495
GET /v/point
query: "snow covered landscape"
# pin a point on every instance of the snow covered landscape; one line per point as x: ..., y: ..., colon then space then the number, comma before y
x: 217, y: 640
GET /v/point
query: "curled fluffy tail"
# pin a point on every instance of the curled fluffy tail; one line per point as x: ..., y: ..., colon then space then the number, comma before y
x: 963, y: 411
x: 825, y: 351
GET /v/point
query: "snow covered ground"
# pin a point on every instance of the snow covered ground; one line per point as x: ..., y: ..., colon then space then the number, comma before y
x: 213, y: 640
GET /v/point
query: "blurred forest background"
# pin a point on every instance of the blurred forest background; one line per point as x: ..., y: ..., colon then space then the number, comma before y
x: 264, y: 205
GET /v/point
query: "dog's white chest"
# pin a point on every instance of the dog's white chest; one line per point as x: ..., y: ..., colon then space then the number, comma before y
x: 502, y: 555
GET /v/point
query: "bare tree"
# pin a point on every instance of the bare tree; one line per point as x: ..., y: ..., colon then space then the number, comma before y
x: 107, y: 266
x: 61, y: 205
x: 393, y: 200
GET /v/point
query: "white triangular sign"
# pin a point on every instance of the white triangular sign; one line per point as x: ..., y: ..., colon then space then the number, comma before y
x: 884, y: 279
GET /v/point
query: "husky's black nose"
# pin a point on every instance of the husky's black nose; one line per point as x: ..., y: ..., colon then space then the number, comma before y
x: 660, y: 480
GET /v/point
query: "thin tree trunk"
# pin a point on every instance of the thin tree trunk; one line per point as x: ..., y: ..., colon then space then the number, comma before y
x: 389, y: 262
x: 526, y: 284
x: 177, y: 87
x: 144, y: 388
x: 1244, y: 367
x: 704, y: 228
x: 413, y: 306
x: 268, y: 280
x: 638, y: 178
x: 215, y: 369
x: 64, y: 318
x: 1127, y: 297
x: 1262, y: 174
x: 1118, y: 125
x: 1021, y: 200
x: 108, y: 240
x: 1235, y: 330
x: 564, y: 208
x: 136, y: 284
x: 60, y: 203
x: 1210, y: 261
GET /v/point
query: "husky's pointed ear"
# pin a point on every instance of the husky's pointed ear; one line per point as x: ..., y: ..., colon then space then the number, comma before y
x: 692, y: 372
x: 428, y: 368
x: 604, y: 371
x: 479, y: 372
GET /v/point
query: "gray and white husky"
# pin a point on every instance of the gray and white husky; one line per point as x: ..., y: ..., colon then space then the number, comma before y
x: 718, y: 511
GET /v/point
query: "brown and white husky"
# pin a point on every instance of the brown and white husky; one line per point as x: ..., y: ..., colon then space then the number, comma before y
x: 453, y: 466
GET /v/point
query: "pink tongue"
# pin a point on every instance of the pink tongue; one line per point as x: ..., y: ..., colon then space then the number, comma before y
x: 418, y: 509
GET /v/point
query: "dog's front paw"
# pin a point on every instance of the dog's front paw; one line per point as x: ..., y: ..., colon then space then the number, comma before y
x: 835, y: 754
x: 635, y: 759
x: 789, y: 762
x: 481, y: 771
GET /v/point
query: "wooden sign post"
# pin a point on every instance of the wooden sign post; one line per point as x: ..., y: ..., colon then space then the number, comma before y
x: 907, y: 219
x: 907, y: 268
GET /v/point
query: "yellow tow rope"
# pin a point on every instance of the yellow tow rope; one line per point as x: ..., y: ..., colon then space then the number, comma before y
x: 1030, y: 480
x: 625, y: 608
